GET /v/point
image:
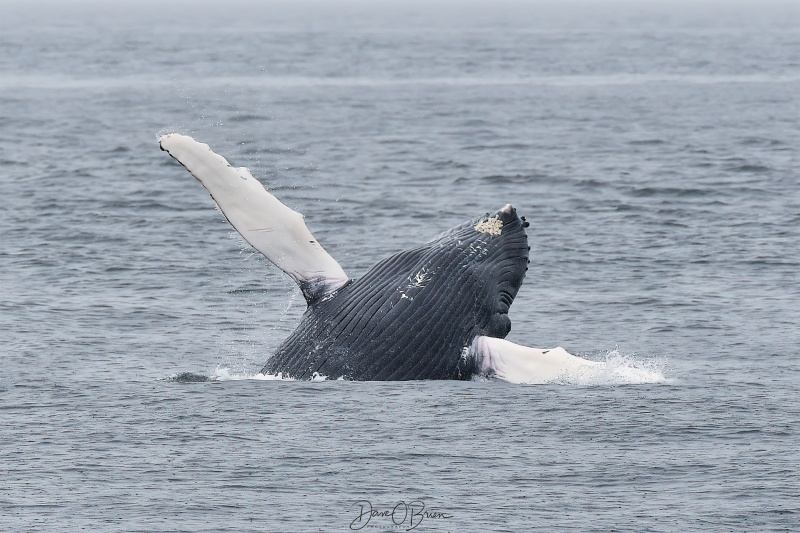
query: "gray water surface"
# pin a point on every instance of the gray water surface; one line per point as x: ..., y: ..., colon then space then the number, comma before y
x: 654, y: 148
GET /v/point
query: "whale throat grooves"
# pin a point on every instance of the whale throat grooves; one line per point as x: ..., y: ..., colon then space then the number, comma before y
x: 414, y: 314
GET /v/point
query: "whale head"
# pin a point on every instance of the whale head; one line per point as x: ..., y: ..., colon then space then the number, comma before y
x: 488, y: 256
x: 413, y: 313
x: 494, y: 258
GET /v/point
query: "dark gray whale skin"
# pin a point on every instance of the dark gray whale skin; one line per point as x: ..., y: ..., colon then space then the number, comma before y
x: 411, y: 316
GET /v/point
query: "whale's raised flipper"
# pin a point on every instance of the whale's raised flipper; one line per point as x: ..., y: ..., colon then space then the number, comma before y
x: 269, y: 226
x: 520, y: 364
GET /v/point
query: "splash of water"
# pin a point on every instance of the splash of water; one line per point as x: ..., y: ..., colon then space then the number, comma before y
x: 618, y: 369
x: 224, y: 374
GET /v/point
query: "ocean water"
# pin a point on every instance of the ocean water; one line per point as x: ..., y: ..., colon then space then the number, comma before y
x: 653, y: 146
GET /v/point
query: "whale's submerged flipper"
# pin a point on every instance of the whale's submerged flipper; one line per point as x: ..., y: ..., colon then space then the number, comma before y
x: 270, y: 227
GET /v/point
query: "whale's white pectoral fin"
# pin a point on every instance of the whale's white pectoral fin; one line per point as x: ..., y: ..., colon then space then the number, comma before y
x: 520, y: 364
x: 269, y: 226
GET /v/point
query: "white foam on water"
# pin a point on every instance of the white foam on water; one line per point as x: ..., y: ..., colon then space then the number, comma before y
x: 617, y: 369
x: 224, y: 374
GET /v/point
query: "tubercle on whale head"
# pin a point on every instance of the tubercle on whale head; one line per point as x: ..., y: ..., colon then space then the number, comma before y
x: 499, y: 222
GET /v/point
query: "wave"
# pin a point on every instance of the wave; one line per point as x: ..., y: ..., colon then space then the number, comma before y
x: 157, y: 80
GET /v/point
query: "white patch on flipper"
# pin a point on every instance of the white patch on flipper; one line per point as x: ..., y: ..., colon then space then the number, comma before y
x: 492, y: 226
x: 269, y: 226
x: 520, y: 364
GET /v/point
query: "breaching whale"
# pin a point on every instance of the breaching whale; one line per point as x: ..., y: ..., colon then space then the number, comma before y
x: 436, y: 311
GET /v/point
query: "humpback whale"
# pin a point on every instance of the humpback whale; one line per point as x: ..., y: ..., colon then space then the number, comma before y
x: 436, y: 311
